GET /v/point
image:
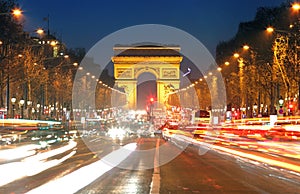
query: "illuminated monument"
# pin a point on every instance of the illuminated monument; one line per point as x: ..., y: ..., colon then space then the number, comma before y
x: 161, y: 61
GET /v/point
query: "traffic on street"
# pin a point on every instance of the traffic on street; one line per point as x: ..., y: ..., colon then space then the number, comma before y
x: 220, y: 159
x: 149, y: 97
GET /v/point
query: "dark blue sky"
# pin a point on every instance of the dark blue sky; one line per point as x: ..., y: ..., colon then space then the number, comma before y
x: 82, y: 23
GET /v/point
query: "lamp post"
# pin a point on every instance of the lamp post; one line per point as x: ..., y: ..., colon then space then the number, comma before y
x: 22, y: 108
x: 243, y: 71
x: 28, y: 108
x: 13, y: 100
x: 241, y: 77
x: 296, y: 8
x: 282, y: 42
x: 38, y: 106
x: 280, y: 101
x: 15, y: 13
x: 254, y: 110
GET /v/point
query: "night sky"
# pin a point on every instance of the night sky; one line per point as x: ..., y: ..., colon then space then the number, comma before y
x: 83, y: 23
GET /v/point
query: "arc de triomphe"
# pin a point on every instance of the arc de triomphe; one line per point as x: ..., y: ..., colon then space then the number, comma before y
x: 161, y: 61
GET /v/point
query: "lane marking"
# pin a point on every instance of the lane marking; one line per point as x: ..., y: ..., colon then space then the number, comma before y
x: 155, y: 184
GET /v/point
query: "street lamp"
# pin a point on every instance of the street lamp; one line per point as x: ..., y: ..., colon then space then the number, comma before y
x: 15, y: 12
x: 246, y: 47
x: 253, y: 54
x: 281, y: 101
x: 254, y: 110
x: 40, y: 31
x: 296, y: 6
x: 13, y: 100
x: 270, y: 29
x: 280, y: 49
x: 241, y: 76
x: 255, y: 106
x: 38, y: 106
x: 28, y: 107
x: 22, y: 108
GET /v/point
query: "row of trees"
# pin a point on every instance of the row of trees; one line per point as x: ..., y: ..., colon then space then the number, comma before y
x: 39, y: 70
x: 268, y: 69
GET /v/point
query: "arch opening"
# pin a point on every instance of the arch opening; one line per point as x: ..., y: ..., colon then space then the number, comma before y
x: 146, y: 89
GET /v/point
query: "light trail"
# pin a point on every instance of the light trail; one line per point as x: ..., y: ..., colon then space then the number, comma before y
x: 33, y: 165
x: 265, y: 160
x: 82, y: 177
x: 18, y: 152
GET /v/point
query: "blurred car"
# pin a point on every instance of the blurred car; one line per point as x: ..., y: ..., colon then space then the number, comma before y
x: 276, y: 133
x: 158, y: 132
x: 168, y: 129
x: 8, y: 136
x: 200, y: 131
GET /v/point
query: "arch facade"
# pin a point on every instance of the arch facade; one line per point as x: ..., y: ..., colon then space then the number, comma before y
x: 161, y: 61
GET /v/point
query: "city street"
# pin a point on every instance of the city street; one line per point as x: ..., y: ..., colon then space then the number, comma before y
x: 192, y: 171
x: 149, y: 97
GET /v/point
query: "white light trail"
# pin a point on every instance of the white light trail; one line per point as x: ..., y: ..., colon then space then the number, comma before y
x: 33, y: 165
x: 82, y: 177
x: 18, y: 152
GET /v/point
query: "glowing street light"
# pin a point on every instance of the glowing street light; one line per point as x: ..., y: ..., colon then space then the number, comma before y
x: 255, y: 106
x: 53, y: 43
x: 236, y: 55
x: 13, y: 101
x: 296, y: 6
x: 246, y: 47
x: 280, y: 41
x: 281, y: 101
x: 270, y: 29
x: 40, y: 31
x: 17, y: 12
x: 22, y: 108
x: 241, y: 64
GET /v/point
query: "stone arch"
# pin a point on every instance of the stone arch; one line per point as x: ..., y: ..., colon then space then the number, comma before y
x: 162, y: 62
x: 139, y: 71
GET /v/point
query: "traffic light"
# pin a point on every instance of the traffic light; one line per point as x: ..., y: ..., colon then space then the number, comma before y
x: 290, y: 108
x: 151, y: 100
